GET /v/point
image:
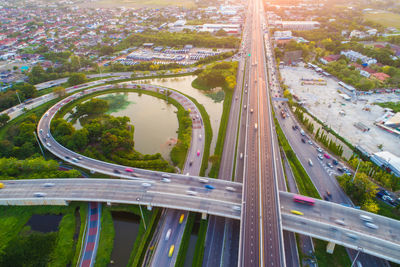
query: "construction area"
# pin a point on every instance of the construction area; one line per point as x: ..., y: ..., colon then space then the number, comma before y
x: 356, y: 118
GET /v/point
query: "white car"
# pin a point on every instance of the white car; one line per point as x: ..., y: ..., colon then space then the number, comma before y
x: 238, y: 208
x: 165, y: 175
x: 146, y: 184
x: 168, y: 234
x: 231, y: 189
x: 365, y: 218
x: 191, y: 193
x: 340, y: 222
x: 165, y: 180
x: 371, y: 225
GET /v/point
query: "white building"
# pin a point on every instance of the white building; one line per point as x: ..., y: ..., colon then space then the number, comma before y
x: 296, y: 25
x: 388, y: 160
x: 282, y: 34
x: 354, y: 56
x: 230, y: 28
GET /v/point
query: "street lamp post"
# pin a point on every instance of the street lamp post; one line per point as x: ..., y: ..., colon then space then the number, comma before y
x: 18, y: 97
x: 141, y: 212
x: 37, y: 140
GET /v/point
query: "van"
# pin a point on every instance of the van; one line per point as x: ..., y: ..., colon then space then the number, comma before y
x: 310, y: 162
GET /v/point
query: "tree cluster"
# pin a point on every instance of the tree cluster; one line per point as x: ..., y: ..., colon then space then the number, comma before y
x: 220, y: 74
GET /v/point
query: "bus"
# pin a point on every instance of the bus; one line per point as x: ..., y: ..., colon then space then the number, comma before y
x: 304, y: 200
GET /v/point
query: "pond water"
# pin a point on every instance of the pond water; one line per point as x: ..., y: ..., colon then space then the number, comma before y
x: 126, y: 227
x: 212, y: 103
x: 44, y: 223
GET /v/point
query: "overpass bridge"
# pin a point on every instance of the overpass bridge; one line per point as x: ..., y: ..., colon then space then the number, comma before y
x: 318, y: 221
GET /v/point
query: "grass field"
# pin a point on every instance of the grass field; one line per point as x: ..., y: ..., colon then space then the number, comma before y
x: 386, y: 19
x: 137, y: 3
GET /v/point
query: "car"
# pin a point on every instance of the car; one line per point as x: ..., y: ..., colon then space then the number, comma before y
x: 166, y: 175
x: 238, y: 208
x: 245, y: 91
x: 74, y: 159
x: 319, y: 150
x: 320, y: 156
x: 171, y: 251
x: 340, y: 222
x: 326, y: 198
x: 241, y: 155
x: 67, y: 157
x: 146, y: 184
x: 302, y: 133
x: 245, y: 106
x: 39, y: 194
x: 328, y: 193
x: 231, y: 189
x: 48, y: 135
x: 198, y: 152
x: 208, y: 186
x: 80, y: 158
x: 203, y: 181
x: 191, y: 163
x: 1, y: 185
x: 340, y: 169
x: 352, y: 236
x: 48, y: 144
x: 236, y: 98
x: 134, y: 174
x: 251, y: 110
x: 371, y: 225
x: 296, y: 212
x: 310, y: 162
x: 165, y: 180
x: 200, y: 136
x: 294, y: 128
x: 329, y: 165
x: 327, y: 156
x: 48, y: 184
x: 366, y: 218
x: 255, y: 126
x: 191, y: 192
x: 41, y: 131
x: 168, y: 234
x: 310, y: 142
x: 181, y: 218
x: 303, y: 140
x: 335, y: 162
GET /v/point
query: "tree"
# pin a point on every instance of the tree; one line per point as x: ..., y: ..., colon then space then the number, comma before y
x: 221, y: 32
x: 59, y: 91
x: 77, y: 78
x: 106, y: 50
x: 27, y: 90
x: 4, y: 118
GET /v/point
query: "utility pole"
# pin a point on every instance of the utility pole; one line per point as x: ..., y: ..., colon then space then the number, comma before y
x: 141, y: 212
x: 37, y: 140
x: 354, y: 176
x: 18, y: 97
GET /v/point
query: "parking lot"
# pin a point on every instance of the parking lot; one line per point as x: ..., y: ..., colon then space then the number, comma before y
x: 326, y: 103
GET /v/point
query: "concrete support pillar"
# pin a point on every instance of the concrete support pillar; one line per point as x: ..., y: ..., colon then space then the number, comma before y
x: 330, y: 247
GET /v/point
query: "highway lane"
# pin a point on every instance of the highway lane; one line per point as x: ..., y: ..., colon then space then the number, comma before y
x: 217, y: 201
x: 261, y: 234
x: 326, y: 213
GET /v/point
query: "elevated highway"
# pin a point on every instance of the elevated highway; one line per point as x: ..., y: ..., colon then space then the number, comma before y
x: 218, y: 201
x: 318, y: 221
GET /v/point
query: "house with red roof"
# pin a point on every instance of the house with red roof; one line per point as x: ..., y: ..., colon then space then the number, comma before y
x: 380, y: 76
